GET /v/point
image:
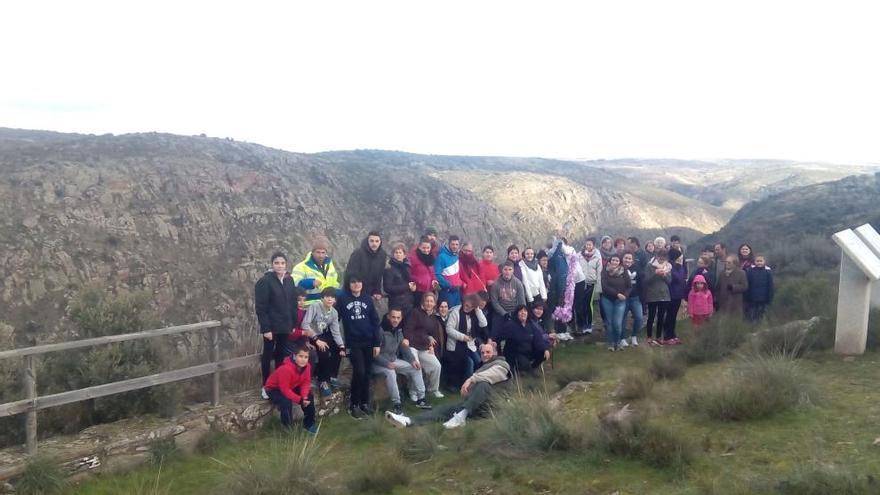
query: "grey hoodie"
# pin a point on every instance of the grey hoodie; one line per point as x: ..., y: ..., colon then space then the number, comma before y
x: 392, y: 347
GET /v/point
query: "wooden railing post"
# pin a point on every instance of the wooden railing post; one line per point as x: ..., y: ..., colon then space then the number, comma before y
x: 30, y: 393
x: 214, y: 353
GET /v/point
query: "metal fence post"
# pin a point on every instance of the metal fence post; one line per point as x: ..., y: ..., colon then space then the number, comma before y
x: 214, y: 353
x: 30, y: 393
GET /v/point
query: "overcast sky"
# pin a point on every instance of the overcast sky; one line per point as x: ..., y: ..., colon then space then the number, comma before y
x: 609, y: 79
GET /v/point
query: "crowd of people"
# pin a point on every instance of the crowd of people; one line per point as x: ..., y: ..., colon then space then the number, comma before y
x: 443, y: 319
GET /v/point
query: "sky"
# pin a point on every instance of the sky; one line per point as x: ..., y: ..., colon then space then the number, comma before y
x: 581, y: 79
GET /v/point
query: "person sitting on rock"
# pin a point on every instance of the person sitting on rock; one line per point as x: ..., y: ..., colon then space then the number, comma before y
x: 466, y: 328
x: 395, y: 358
x: 478, y: 391
x: 321, y: 326
x: 524, y: 345
x: 424, y: 335
x: 317, y: 272
x: 290, y: 384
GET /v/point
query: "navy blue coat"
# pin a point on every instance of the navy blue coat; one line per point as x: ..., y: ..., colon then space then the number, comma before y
x: 760, y: 285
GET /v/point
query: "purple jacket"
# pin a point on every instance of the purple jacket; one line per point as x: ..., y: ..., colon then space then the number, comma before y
x: 678, y: 287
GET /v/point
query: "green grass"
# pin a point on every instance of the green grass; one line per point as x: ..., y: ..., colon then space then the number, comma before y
x: 723, y: 458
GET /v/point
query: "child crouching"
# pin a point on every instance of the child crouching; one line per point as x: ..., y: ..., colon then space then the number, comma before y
x: 290, y: 384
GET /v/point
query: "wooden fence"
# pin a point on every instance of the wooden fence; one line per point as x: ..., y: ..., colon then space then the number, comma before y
x: 33, y: 403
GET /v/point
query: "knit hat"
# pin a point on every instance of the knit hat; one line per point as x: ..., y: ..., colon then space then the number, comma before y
x: 430, y: 230
x: 320, y: 242
x: 604, y: 238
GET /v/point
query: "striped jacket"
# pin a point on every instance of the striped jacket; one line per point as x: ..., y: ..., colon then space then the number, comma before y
x: 312, y: 279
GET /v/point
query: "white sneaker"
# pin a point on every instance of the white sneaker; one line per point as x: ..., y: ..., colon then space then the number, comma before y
x: 622, y: 344
x: 588, y: 331
x: 563, y: 336
x: 397, y: 420
x: 413, y: 396
x: 635, y: 342
x: 458, y: 419
x: 263, y: 394
x: 438, y: 394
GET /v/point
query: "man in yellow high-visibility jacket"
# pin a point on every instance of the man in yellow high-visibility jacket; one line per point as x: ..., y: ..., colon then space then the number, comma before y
x: 317, y: 272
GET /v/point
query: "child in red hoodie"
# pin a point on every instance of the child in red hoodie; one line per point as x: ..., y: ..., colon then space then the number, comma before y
x: 290, y: 384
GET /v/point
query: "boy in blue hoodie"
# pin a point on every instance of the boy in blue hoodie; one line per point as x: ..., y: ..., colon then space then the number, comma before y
x: 363, y: 339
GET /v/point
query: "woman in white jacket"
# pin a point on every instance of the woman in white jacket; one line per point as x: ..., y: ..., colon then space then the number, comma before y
x: 533, y: 277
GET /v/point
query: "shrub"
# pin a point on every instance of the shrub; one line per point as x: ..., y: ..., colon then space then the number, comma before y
x: 757, y: 388
x: 41, y: 476
x: 717, y: 340
x: 801, y: 298
x: 163, y: 451
x: 668, y: 366
x: 213, y: 441
x: 418, y: 444
x: 576, y: 372
x: 635, y: 385
x: 293, y: 468
x: 526, y: 424
x: 821, y: 480
x: 381, y: 476
x: 632, y: 436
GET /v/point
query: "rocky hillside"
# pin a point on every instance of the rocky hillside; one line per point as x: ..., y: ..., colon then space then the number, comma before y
x: 819, y: 209
x: 193, y: 219
x: 730, y: 184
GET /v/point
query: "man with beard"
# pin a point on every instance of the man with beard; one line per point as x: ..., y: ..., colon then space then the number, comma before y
x: 368, y: 262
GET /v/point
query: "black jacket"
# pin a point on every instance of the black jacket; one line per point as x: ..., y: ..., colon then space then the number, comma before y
x: 275, y: 303
x: 368, y: 265
x: 395, y: 281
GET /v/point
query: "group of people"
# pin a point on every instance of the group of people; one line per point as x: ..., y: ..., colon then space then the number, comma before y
x: 450, y: 319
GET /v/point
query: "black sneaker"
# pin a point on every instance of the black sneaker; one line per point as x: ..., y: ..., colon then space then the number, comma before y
x: 396, y: 408
x: 423, y: 404
x: 356, y: 413
x: 367, y: 410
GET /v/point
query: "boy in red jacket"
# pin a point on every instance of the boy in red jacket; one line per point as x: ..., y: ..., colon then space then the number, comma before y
x: 290, y: 384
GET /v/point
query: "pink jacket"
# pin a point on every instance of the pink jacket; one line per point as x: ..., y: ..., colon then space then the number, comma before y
x: 700, y: 302
x: 422, y: 275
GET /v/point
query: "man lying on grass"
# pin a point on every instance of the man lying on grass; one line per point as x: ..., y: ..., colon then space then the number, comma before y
x: 477, y: 392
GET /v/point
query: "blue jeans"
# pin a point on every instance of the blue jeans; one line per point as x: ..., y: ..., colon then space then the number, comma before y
x: 471, y: 363
x: 614, y: 309
x: 634, y: 306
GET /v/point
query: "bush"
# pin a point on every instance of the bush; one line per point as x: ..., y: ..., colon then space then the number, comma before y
x: 295, y: 467
x: 381, y: 476
x: 630, y: 435
x: 418, y: 444
x: 801, y: 298
x: 213, y: 441
x: 526, y: 424
x: 667, y: 366
x: 717, y: 340
x: 757, y: 388
x: 821, y: 480
x: 41, y: 476
x: 635, y: 385
x: 163, y: 451
x: 576, y: 372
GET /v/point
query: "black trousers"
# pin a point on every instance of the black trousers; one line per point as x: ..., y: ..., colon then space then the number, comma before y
x: 275, y: 349
x: 329, y: 360
x: 671, y: 319
x: 285, y: 407
x: 361, y: 358
x: 656, y: 311
x: 580, y: 305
